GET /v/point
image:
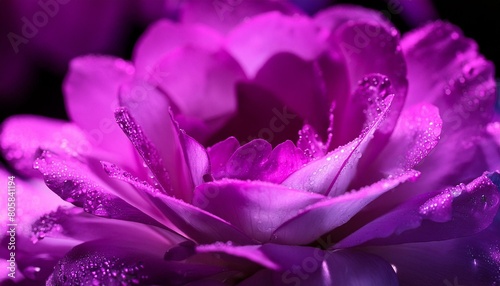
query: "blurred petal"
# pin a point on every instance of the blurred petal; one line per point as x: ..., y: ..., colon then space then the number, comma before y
x: 23, y: 135
x: 91, y: 96
x: 334, y: 212
x: 164, y: 36
x: 335, y: 16
x: 255, y: 41
x: 454, y: 212
x: 223, y: 16
x: 256, y: 208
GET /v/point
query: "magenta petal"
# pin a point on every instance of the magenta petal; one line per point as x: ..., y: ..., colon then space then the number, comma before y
x: 255, y: 41
x: 123, y: 261
x: 298, y: 84
x: 177, y: 215
x: 334, y: 17
x: 161, y: 144
x: 219, y: 155
x: 212, y: 100
x: 225, y: 15
x: 334, y: 212
x: 164, y: 36
x: 23, y: 135
x: 74, y: 182
x: 91, y: 95
x: 454, y: 212
x: 331, y: 174
x: 472, y: 260
x: 258, y: 161
x: 253, y: 207
x: 416, y: 134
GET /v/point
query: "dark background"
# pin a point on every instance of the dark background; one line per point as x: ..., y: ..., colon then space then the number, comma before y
x: 42, y: 94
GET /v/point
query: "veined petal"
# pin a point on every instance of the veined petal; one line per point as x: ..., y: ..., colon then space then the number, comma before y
x: 329, y: 214
x: 440, y: 215
x: 256, y: 208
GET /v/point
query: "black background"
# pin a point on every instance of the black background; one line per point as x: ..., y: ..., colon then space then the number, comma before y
x: 479, y: 20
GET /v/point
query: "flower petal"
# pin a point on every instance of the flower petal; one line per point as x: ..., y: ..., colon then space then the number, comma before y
x: 255, y: 41
x: 183, y: 218
x: 454, y: 212
x: 148, y: 124
x: 164, y: 36
x: 212, y: 100
x: 74, y: 182
x: 253, y: 206
x: 91, y: 96
x: 334, y: 212
x: 331, y: 174
x: 23, y: 135
x: 225, y: 15
x: 219, y: 155
x: 416, y: 134
x: 257, y: 160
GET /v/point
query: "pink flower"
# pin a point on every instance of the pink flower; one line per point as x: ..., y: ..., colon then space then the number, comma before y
x: 395, y: 159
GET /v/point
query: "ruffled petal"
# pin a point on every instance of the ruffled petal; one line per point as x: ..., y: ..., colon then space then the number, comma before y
x: 455, y: 212
x: 331, y: 174
x: 446, y: 70
x: 255, y: 41
x: 212, y: 100
x: 225, y: 15
x: 23, y: 135
x: 334, y: 212
x: 256, y: 208
x: 335, y: 16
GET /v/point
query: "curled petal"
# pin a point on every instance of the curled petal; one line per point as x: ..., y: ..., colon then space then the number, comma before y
x: 455, y: 212
x: 334, y: 212
x: 253, y: 209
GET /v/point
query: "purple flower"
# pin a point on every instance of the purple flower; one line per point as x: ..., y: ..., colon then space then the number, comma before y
x: 392, y: 179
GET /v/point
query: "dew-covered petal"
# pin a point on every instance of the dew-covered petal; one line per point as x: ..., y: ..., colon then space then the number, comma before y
x: 256, y: 208
x: 455, y: 212
x: 472, y: 260
x: 257, y: 160
x: 334, y: 212
x: 310, y: 143
x: 124, y: 261
x: 23, y: 135
x: 91, y: 96
x: 183, y: 218
x: 446, y: 70
x: 417, y: 132
x: 75, y: 182
x: 172, y: 156
x: 255, y: 41
x: 212, y: 100
x: 219, y: 155
x: 164, y: 36
x: 331, y: 174
x: 225, y: 15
